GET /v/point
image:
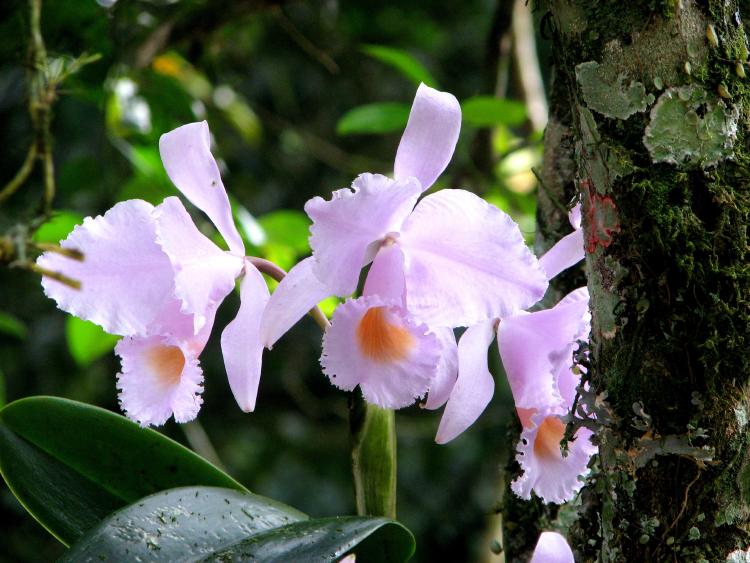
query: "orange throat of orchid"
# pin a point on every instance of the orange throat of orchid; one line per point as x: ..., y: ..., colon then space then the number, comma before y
x: 380, y: 340
x: 167, y: 362
x: 548, y: 437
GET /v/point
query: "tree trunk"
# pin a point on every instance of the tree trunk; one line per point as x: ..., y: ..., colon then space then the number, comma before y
x: 652, y: 99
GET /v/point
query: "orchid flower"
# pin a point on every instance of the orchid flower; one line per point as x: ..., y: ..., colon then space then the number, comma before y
x: 463, y: 260
x: 453, y: 259
x: 552, y: 548
x: 374, y: 343
x: 474, y: 387
x: 151, y: 276
x: 537, y: 351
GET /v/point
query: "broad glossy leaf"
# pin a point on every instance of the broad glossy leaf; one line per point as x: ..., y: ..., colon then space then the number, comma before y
x: 71, y: 464
x: 403, y: 62
x: 325, y: 539
x: 374, y: 118
x: 213, y: 524
x: 485, y: 111
x: 86, y: 341
x: 186, y: 523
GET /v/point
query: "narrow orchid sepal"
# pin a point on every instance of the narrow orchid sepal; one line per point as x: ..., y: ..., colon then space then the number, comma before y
x: 240, y: 342
x: 430, y: 136
x: 566, y: 252
x: 186, y: 155
x: 474, y: 387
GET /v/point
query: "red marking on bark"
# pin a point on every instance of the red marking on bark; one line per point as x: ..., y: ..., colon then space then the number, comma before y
x: 602, y: 217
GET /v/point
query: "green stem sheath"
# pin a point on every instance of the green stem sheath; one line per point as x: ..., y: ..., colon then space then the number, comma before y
x: 373, y: 446
x: 372, y: 435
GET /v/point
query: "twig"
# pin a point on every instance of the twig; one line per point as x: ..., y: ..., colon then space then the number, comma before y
x: 71, y: 253
x: 304, y: 43
x: 268, y: 267
x: 21, y: 176
x: 57, y: 276
x: 527, y: 63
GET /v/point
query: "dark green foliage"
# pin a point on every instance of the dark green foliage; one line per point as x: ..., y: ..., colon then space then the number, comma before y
x: 72, y: 464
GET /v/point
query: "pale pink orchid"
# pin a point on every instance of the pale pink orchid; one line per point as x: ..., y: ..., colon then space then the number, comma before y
x: 472, y: 390
x: 447, y: 260
x: 537, y: 352
x: 552, y: 548
x: 151, y: 276
x: 374, y: 343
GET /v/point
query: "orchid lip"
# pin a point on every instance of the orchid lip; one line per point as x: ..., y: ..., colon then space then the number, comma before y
x: 168, y: 363
x: 381, y: 340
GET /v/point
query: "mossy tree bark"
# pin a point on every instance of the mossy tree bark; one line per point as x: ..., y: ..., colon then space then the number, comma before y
x: 655, y: 118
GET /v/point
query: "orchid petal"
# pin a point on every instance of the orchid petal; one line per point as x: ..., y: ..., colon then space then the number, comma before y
x: 566, y: 252
x: 430, y: 136
x: 187, y: 158
x: 386, y: 276
x: 204, y: 274
x: 466, y: 262
x: 296, y: 294
x: 534, y: 347
x: 347, y: 229
x: 552, y: 548
x: 474, y: 387
x: 447, y: 371
x: 119, y: 248
x: 240, y: 341
x: 160, y: 378
x: 376, y: 346
x: 551, y: 476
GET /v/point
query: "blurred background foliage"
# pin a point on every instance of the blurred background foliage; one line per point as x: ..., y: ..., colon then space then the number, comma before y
x: 300, y: 97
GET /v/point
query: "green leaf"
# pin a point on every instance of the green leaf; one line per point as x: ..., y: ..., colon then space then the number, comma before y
x: 485, y: 111
x: 58, y: 227
x: 213, y: 524
x: 12, y: 326
x: 287, y: 227
x: 173, y: 524
x: 373, y: 436
x: 71, y: 464
x: 86, y: 341
x: 403, y: 62
x: 2, y: 389
x: 374, y: 118
x: 325, y: 539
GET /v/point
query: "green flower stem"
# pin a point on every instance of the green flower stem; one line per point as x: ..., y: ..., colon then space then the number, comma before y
x: 373, y: 443
x: 373, y: 436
